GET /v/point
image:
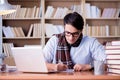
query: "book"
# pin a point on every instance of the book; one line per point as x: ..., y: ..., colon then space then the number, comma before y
x: 49, y: 29
x: 40, y: 12
x: 65, y: 10
x: 114, y: 10
x: 20, y: 30
x: 112, y: 51
x: 60, y: 28
x: 30, y: 31
x: 104, y: 13
x: 17, y: 32
x: 106, y: 30
x: 7, y: 49
x: 37, y: 30
x: 53, y: 29
x: 33, y: 12
x: 88, y: 10
x: 49, y: 11
x: 37, y: 12
x: 113, y: 70
x: 117, y: 13
x: 112, y: 56
x: 113, y: 66
x: 115, y: 42
x: 23, y: 12
x: 8, y: 32
x: 14, y: 32
x: 110, y: 61
x: 112, y: 47
x: 93, y: 11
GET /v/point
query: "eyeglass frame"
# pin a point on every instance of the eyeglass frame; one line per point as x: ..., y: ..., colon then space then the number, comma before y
x: 74, y: 34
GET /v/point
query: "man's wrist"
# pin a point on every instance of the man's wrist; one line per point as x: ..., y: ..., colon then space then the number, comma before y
x: 86, y: 67
x: 92, y: 67
x: 56, y: 67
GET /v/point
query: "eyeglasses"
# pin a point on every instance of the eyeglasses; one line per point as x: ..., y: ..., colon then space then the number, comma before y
x: 75, y: 34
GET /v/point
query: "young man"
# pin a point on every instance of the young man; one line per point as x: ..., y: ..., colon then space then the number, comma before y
x: 72, y: 49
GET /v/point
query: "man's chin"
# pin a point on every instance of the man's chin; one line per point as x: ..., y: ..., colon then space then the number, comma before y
x: 71, y: 43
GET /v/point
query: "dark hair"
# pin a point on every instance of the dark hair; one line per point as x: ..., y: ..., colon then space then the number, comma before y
x: 75, y: 20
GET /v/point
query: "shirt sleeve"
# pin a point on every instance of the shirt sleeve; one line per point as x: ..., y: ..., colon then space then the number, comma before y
x: 98, y: 51
x: 50, y: 49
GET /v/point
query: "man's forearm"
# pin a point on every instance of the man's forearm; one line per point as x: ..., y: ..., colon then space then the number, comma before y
x: 51, y: 66
x: 56, y: 67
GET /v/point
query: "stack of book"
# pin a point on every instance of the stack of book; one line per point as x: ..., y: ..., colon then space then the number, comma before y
x: 12, y: 32
x: 113, y: 57
x: 35, y: 30
x: 7, y: 49
x: 93, y: 11
x: 53, y: 29
x: 60, y: 12
x: 24, y: 12
x: 104, y: 30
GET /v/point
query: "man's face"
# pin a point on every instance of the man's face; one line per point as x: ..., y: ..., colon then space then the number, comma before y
x: 71, y: 34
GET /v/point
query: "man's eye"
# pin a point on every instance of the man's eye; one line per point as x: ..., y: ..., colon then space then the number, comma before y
x: 76, y: 33
x: 67, y: 32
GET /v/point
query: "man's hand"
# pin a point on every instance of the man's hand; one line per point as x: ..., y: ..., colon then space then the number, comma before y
x: 79, y: 67
x: 56, y: 67
x: 60, y: 67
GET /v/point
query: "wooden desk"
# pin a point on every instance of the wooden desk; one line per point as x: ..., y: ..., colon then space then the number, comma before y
x: 53, y: 76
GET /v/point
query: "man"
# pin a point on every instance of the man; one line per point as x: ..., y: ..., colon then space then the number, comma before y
x: 72, y: 49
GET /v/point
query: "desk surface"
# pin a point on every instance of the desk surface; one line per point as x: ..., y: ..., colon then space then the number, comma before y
x: 61, y: 75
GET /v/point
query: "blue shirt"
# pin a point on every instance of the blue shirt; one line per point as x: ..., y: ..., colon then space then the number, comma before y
x: 88, y: 50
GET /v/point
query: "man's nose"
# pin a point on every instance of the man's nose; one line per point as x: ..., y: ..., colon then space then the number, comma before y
x: 71, y: 37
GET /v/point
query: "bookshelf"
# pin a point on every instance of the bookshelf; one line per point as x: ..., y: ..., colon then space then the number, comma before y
x: 26, y: 15
x: 110, y: 23
x: 105, y: 27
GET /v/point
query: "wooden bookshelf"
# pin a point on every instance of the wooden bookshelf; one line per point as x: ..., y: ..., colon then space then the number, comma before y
x: 26, y: 22
x: 23, y: 22
x: 103, y: 21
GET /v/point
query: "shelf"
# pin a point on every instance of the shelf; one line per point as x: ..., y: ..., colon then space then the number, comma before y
x: 25, y: 23
x: 106, y: 36
x: 23, y: 38
x: 103, y: 0
x: 59, y: 19
x: 53, y: 19
x: 102, y: 18
x: 24, y: 0
x: 63, y: 0
x: 22, y: 19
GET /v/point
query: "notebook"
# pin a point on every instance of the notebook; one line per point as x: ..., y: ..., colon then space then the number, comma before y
x: 30, y: 59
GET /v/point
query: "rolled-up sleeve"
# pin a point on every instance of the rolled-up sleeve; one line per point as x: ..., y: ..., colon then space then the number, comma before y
x: 98, y: 51
x: 50, y: 49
